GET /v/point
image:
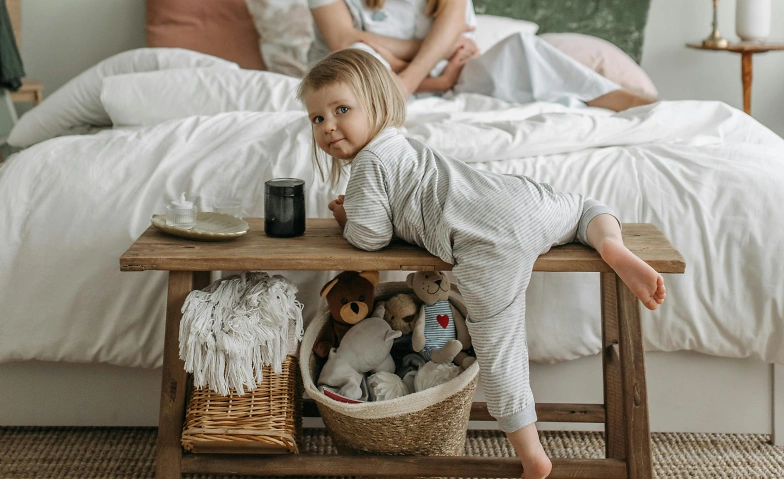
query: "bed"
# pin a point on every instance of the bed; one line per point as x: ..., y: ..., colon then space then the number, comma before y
x: 139, y: 129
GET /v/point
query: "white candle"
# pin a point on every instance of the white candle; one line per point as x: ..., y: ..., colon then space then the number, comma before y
x: 752, y: 20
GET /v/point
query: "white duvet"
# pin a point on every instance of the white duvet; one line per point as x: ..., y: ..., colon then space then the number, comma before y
x: 709, y: 176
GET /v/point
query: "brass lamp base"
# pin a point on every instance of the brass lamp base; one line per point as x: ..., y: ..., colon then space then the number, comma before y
x: 715, y: 41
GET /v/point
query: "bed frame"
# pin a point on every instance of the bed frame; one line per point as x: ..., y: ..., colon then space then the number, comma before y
x: 688, y: 391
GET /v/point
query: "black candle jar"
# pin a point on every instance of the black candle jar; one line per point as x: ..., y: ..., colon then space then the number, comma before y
x: 284, y: 207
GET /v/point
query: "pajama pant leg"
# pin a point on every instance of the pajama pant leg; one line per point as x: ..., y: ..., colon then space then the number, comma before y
x: 591, y: 209
x: 496, y: 323
x: 510, y: 323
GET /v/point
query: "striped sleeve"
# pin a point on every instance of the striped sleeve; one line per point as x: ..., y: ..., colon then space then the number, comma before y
x: 368, y: 214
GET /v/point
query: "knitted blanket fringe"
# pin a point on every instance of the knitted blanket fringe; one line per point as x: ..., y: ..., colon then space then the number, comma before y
x: 237, y: 325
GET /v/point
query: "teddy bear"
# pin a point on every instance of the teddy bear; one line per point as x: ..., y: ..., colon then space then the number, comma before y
x: 401, y: 310
x: 364, y: 349
x: 440, y: 333
x: 350, y: 297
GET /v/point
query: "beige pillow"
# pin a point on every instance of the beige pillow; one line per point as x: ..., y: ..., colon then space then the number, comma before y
x: 285, y: 29
x: 604, y: 58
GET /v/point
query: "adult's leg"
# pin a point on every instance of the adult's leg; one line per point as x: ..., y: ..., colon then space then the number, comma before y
x: 523, y: 68
x: 619, y: 100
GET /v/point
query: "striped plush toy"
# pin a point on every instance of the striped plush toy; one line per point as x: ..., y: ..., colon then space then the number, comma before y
x: 439, y: 333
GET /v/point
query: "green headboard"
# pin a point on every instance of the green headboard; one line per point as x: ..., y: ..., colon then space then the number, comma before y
x: 621, y: 22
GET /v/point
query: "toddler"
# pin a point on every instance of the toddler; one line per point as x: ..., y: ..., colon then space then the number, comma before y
x: 490, y: 227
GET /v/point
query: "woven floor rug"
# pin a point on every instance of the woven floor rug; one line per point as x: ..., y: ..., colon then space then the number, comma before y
x: 120, y: 453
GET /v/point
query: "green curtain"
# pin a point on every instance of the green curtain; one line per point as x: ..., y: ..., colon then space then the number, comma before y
x: 11, y: 69
x: 621, y: 22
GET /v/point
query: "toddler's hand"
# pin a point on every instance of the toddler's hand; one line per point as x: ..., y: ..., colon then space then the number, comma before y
x: 336, y: 207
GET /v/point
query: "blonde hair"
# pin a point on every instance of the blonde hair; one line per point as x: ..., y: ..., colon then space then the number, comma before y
x: 375, y: 87
x: 432, y: 9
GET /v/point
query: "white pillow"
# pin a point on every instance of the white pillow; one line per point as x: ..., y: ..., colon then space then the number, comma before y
x: 604, y: 58
x: 77, y: 103
x: 149, y: 98
x: 285, y: 30
x: 491, y: 29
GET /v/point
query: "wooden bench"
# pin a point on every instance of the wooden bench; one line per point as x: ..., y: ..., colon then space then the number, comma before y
x: 624, y: 411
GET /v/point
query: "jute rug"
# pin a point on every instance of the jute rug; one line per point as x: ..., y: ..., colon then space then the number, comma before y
x: 120, y: 453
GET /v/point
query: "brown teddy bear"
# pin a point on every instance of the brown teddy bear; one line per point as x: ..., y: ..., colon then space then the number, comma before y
x: 440, y: 333
x: 400, y: 311
x: 350, y: 298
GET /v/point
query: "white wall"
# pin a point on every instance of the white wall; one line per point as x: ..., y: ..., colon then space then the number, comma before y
x: 62, y: 38
x: 682, y: 73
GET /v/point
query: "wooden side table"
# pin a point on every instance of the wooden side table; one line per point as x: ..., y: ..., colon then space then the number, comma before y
x: 746, y: 51
x: 624, y: 411
x: 31, y: 90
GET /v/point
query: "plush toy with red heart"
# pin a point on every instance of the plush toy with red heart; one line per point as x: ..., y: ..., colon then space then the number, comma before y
x: 439, y: 333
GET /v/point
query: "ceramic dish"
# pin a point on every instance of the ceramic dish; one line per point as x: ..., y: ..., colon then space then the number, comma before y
x: 208, y: 227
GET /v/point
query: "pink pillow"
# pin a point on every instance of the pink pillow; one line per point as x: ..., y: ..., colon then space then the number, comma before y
x: 223, y: 28
x: 604, y: 58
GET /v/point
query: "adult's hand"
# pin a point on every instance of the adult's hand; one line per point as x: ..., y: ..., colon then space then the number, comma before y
x: 451, y: 73
x: 468, y: 43
x: 395, y: 63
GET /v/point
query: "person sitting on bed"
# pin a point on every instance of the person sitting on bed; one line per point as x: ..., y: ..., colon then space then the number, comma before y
x: 491, y: 227
x: 414, y: 36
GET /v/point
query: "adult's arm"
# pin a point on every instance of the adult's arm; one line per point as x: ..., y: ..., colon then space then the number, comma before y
x: 438, y: 43
x: 335, y: 24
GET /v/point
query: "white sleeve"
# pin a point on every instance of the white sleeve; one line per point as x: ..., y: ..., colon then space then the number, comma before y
x: 319, y: 3
x: 369, y: 216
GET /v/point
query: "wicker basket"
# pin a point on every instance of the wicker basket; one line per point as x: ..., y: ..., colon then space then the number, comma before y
x: 430, y: 423
x: 267, y: 420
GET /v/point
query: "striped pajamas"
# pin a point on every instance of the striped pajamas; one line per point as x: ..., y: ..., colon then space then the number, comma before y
x: 491, y: 227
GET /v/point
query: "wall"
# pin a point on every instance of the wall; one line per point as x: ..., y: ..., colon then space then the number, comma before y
x: 61, y: 42
x: 682, y: 73
x: 60, y: 39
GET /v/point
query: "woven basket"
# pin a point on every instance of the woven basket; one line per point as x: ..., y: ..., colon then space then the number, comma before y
x: 430, y: 423
x: 267, y: 420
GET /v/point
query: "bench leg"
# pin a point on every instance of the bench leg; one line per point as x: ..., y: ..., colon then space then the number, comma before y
x: 639, y: 462
x: 174, y: 379
x: 614, y: 443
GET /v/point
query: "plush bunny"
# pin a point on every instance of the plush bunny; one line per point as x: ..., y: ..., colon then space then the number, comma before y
x: 440, y: 333
x: 364, y: 349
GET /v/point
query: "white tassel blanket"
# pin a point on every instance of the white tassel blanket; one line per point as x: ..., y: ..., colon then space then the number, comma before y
x: 237, y: 325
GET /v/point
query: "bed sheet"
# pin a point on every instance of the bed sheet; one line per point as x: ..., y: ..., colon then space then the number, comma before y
x: 706, y: 174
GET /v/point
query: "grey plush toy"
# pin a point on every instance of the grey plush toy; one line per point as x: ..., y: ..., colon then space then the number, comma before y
x: 364, y: 349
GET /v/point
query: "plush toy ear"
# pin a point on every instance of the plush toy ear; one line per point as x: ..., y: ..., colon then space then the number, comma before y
x: 410, y: 280
x: 327, y: 287
x: 371, y: 276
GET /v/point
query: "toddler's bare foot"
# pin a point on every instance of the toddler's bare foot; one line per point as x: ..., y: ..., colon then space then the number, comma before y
x: 525, y: 441
x: 642, y: 280
x: 536, y: 465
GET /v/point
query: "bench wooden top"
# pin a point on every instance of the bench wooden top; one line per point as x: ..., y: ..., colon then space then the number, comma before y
x: 323, y: 247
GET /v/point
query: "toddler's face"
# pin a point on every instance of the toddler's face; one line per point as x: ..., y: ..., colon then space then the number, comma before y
x: 340, y: 123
